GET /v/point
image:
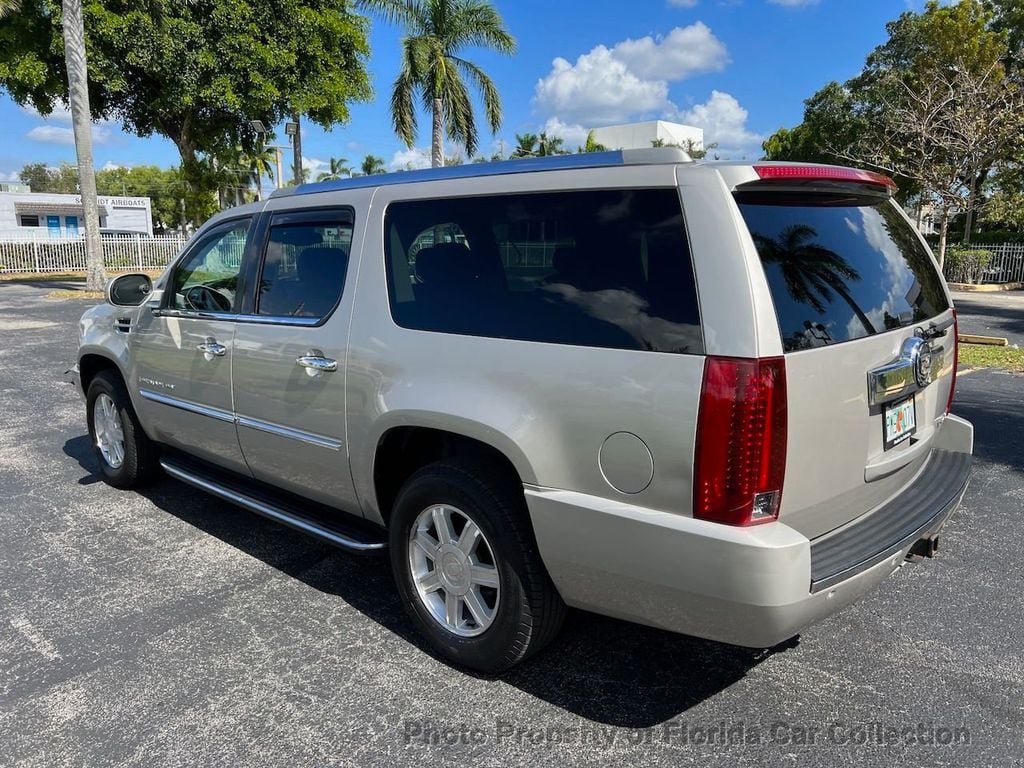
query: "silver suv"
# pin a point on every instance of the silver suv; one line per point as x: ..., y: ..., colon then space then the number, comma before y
x: 708, y: 397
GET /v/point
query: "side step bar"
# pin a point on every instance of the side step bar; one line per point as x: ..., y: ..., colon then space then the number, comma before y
x: 353, y: 537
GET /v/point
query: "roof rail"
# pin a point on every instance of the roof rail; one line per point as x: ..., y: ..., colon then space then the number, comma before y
x: 653, y: 156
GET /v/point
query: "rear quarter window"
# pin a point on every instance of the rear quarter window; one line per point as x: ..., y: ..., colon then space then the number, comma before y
x: 605, y: 268
x: 839, y: 271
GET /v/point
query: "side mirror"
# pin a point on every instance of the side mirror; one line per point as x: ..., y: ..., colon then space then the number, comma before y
x: 129, y: 290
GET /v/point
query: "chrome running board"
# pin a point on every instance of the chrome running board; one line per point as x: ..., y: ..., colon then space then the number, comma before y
x: 335, y: 531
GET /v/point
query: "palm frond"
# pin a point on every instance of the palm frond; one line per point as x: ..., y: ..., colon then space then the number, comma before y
x: 488, y: 91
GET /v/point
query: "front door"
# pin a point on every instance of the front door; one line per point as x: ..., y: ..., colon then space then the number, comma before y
x: 289, y: 359
x: 182, y: 350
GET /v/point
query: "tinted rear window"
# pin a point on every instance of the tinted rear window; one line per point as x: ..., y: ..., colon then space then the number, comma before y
x: 839, y: 272
x: 608, y: 268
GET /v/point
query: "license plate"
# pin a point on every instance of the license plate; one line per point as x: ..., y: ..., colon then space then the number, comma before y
x: 899, y: 421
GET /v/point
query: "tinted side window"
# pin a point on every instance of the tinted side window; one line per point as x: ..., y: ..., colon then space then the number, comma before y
x: 207, y: 279
x: 839, y: 272
x: 304, y: 269
x: 607, y: 268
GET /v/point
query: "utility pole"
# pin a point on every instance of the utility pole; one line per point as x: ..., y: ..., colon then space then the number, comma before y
x: 81, y: 122
x: 280, y: 170
x: 296, y: 135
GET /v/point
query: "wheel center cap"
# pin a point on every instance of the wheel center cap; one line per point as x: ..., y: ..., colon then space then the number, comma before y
x: 453, y: 570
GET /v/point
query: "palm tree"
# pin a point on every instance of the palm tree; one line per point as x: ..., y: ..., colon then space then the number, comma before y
x: 811, y: 272
x: 592, y: 144
x: 8, y: 6
x: 372, y: 165
x: 549, y: 145
x: 260, y: 163
x: 336, y: 171
x: 526, y: 145
x: 433, y: 70
x: 81, y: 123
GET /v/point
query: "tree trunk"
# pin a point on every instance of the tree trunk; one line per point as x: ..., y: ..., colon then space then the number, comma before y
x: 81, y: 120
x: 297, y: 148
x: 943, y: 230
x: 972, y: 194
x: 437, y: 137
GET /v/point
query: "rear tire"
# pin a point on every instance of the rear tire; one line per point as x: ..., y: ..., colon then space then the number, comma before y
x: 126, y: 455
x: 518, y: 608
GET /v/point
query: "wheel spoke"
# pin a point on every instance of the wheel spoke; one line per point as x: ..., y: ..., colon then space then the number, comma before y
x: 470, y: 536
x: 484, y: 575
x: 443, y: 526
x: 429, y: 582
x: 481, y: 613
x: 451, y: 609
x: 426, y: 543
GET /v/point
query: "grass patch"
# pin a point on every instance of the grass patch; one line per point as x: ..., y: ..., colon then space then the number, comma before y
x: 45, y: 277
x: 984, y: 356
x: 74, y: 293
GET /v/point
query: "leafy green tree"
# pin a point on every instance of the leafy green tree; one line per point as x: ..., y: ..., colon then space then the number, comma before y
x: 372, y: 165
x: 935, y: 106
x: 43, y: 178
x: 434, y: 70
x: 164, y: 186
x: 195, y: 72
x: 337, y: 168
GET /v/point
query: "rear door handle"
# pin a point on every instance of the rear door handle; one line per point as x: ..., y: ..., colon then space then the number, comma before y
x: 317, y: 364
x: 211, y: 349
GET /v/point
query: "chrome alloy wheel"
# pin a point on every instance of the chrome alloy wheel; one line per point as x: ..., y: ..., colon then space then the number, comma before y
x: 106, y: 422
x: 453, y: 568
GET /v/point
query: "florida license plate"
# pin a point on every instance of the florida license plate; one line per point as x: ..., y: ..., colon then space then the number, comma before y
x: 900, y: 422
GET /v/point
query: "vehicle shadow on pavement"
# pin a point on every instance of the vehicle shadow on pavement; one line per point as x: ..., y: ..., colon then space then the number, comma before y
x: 608, y: 671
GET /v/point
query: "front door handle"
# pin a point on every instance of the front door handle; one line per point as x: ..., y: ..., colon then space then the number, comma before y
x: 211, y: 349
x: 315, y: 364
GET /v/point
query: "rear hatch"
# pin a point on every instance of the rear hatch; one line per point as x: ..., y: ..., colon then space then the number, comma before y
x: 868, y: 333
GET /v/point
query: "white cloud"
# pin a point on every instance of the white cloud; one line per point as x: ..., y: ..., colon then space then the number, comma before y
x: 683, y: 52
x: 314, y: 165
x: 725, y: 123
x: 793, y: 3
x: 12, y: 176
x: 60, y: 114
x: 682, y: 3
x: 572, y: 134
x: 52, y: 134
x: 631, y: 78
x: 410, y: 159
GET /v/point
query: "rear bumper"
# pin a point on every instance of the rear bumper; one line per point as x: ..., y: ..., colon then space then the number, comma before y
x: 751, y: 586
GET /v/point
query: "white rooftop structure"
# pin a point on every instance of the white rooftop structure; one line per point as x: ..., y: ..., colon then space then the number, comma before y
x: 643, y: 135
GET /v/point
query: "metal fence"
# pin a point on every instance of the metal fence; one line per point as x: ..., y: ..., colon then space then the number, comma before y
x: 35, y: 253
x: 1004, y: 265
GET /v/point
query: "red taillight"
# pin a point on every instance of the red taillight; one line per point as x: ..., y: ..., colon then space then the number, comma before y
x: 956, y: 362
x: 823, y: 173
x: 741, y: 441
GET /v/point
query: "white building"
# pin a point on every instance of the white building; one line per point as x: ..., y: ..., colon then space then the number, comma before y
x: 644, y: 135
x: 62, y: 215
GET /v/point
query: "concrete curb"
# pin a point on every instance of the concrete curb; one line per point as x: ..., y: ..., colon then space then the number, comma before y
x: 987, y: 288
x: 992, y: 341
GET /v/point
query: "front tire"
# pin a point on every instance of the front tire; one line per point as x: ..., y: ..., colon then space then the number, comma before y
x: 468, y: 569
x: 126, y: 455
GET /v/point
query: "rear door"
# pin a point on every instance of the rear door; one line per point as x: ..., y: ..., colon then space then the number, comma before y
x: 289, y: 363
x: 866, y: 327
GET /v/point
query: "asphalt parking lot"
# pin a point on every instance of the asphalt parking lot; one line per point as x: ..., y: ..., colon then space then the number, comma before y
x: 992, y: 314
x: 171, y: 629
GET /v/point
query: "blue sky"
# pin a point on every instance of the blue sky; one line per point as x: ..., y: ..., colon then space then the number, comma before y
x: 739, y: 69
